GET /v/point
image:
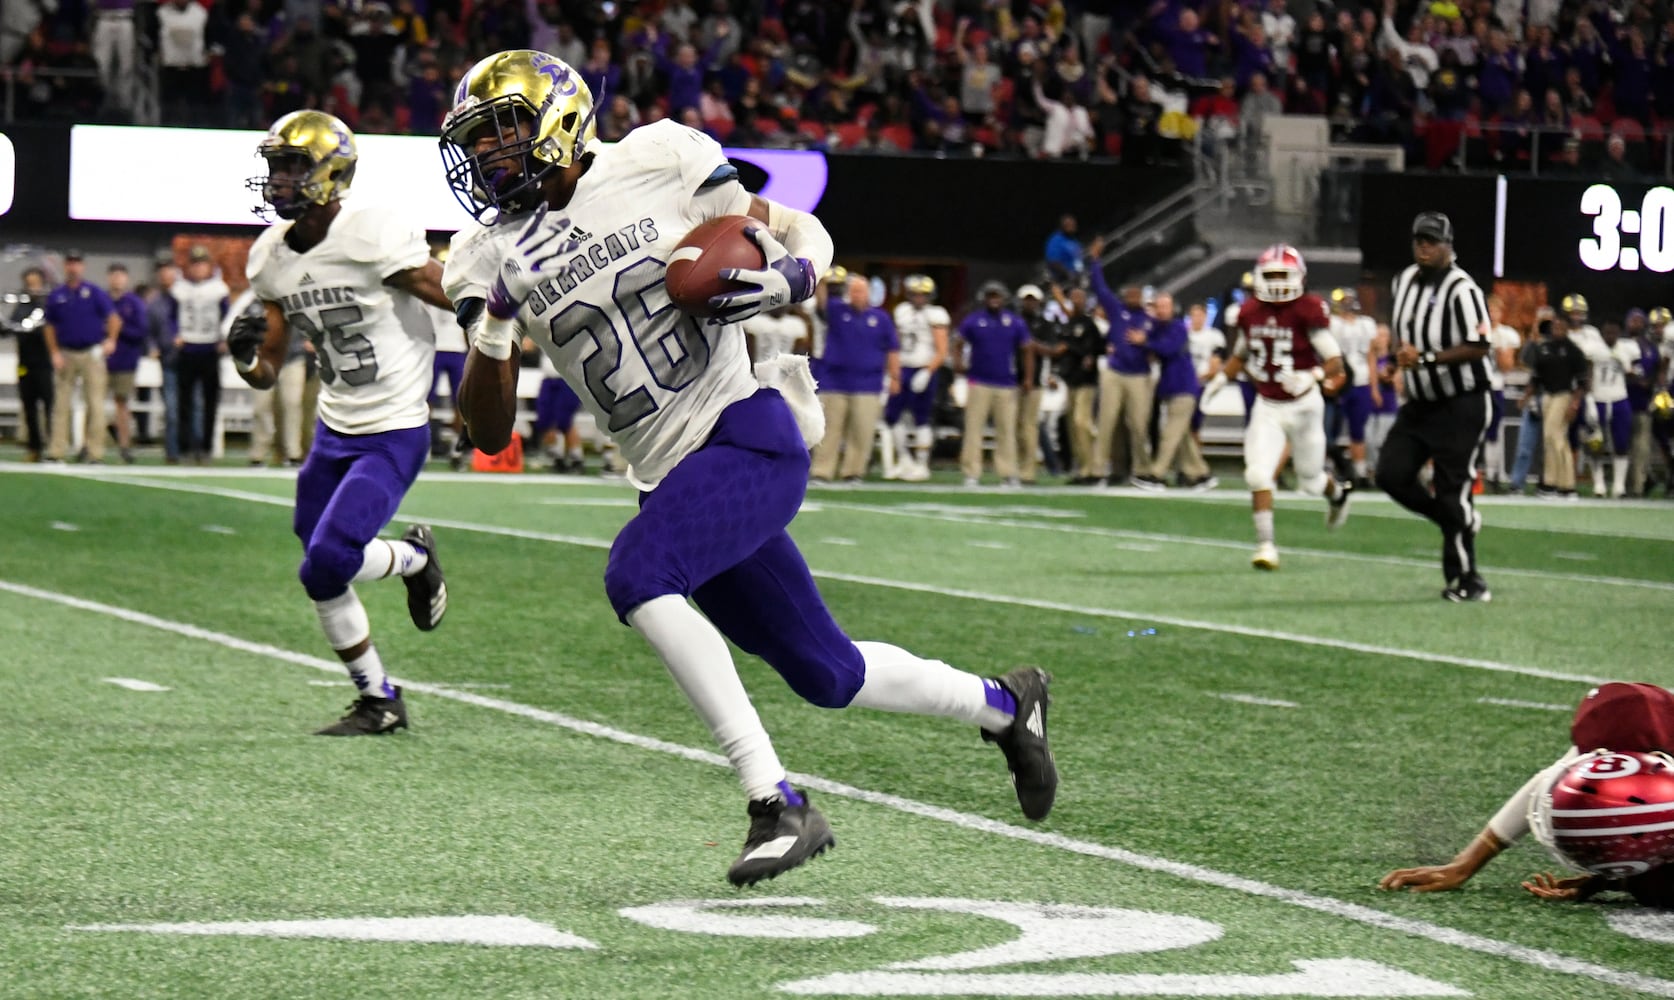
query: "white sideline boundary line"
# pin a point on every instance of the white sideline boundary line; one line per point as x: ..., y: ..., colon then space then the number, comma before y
x: 976, y: 518
x: 1539, y: 958
x: 1473, y: 663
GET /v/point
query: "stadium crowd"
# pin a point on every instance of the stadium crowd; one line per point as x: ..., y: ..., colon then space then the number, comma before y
x: 953, y: 77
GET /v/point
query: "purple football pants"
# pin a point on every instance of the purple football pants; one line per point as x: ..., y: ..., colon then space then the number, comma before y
x: 714, y: 530
x: 348, y: 489
x: 919, y: 404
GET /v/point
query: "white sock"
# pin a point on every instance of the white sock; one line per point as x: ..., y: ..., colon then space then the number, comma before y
x: 898, y: 681
x: 697, y: 657
x: 1618, y: 475
x: 367, y: 671
x: 383, y: 558
x: 1360, y: 468
x: 1494, y: 460
x: 921, y: 445
x: 1598, y: 479
x: 901, y: 450
x: 1264, y: 526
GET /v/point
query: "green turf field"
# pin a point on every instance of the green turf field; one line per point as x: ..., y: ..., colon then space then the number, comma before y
x: 1234, y: 783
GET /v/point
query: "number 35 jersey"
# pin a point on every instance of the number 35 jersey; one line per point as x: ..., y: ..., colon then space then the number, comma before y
x: 374, y: 372
x: 654, y: 378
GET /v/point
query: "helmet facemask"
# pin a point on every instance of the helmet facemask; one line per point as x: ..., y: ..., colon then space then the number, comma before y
x: 491, y: 166
x: 289, y: 187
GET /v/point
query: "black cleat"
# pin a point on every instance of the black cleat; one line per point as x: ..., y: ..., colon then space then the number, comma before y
x: 1470, y: 587
x: 1028, y: 754
x: 370, y: 716
x: 781, y: 837
x: 427, y: 591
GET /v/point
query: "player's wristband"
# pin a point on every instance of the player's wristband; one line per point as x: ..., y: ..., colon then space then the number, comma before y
x: 245, y: 369
x: 494, y: 338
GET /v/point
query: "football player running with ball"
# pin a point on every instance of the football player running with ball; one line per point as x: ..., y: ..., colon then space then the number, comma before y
x: 1284, y: 342
x: 1605, y: 808
x: 575, y: 258
x: 329, y: 271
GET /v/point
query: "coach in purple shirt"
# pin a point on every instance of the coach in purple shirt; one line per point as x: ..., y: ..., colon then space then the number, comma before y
x: 1125, y: 384
x: 81, y: 328
x: 989, y: 343
x: 1177, y: 390
x: 861, y: 358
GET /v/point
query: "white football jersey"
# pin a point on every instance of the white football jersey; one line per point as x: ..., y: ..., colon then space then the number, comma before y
x: 200, y: 309
x: 775, y: 335
x: 1587, y: 337
x: 1354, y: 336
x: 1610, y: 365
x: 374, y: 371
x: 654, y: 378
x: 1500, y: 338
x: 914, y: 326
x: 1203, y: 344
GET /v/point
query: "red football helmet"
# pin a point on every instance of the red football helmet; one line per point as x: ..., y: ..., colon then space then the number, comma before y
x: 1609, y: 813
x: 1280, y: 274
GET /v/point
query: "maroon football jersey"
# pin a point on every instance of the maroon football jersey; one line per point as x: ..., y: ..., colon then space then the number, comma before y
x: 1279, y: 338
x: 1629, y: 718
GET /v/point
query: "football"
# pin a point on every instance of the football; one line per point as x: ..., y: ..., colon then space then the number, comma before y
x: 694, y: 269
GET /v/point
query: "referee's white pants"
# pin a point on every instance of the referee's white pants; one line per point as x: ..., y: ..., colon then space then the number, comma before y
x: 1272, y: 423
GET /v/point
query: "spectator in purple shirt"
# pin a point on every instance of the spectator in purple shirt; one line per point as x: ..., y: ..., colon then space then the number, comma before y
x: 1633, y: 78
x: 1125, y: 384
x: 859, y: 359
x: 1177, y: 390
x: 122, y: 362
x: 685, y: 79
x: 986, y: 350
x: 81, y: 329
x: 1496, y: 82
x: 1188, y: 44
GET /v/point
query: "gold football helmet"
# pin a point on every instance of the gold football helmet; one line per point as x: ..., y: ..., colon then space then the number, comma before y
x: 838, y: 275
x: 1345, y: 298
x: 1662, y: 405
x: 1660, y: 317
x: 517, y: 117
x: 1574, y: 304
x: 311, y: 159
x: 919, y: 284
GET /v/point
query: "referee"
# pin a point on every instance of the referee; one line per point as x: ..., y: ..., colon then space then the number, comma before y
x: 1439, y: 323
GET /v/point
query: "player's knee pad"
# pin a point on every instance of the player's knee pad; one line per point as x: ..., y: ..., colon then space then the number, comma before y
x: 1313, y: 486
x: 328, y: 568
x: 824, y: 678
x: 1259, y: 479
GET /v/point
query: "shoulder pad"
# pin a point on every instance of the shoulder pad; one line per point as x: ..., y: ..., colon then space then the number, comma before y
x: 937, y: 316
x: 372, y: 232
x: 669, y: 145
x: 261, y: 251
x: 473, y: 261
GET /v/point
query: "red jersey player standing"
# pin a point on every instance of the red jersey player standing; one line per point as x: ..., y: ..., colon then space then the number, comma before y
x: 1284, y: 342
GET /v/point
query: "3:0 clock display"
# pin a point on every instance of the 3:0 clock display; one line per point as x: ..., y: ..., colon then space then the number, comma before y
x: 1652, y: 222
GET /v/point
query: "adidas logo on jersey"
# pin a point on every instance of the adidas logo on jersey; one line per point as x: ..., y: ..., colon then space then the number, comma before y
x: 579, y: 234
x: 306, y: 279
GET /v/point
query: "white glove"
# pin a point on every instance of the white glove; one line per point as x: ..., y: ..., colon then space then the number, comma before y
x: 1213, y: 387
x: 920, y: 380
x: 1298, y: 384
x: 541, y: 241
x: 782, y: 280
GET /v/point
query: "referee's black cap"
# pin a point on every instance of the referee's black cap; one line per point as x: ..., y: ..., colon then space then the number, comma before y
x: 1434, y: 226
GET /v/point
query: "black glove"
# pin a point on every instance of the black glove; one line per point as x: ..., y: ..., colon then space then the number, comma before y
x: 245, y: 338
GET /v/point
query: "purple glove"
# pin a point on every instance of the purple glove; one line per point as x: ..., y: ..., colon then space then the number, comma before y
x: 540, y: 242
x: 783, y: 280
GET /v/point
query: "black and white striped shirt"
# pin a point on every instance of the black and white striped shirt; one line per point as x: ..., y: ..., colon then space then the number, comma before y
x: 1434, y: 315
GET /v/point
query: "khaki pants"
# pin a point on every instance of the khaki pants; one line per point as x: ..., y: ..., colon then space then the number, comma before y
x: 1176, y: 435
x: 851, y: 420
x: 1639, y: 455
x: 1127, y: 397
x: 86, y: 366
x: 1557, y: 467
x: 280, y: 409
x: 981, y: 401
x: 1028, y: 433
x: 1083, y: 424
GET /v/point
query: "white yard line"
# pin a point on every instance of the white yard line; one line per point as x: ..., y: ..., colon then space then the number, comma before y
x: 1544, y: 706
x: 976, y: 517
x: 1473, y: 663
x: 1251, y: 699
x: 134, y: 685
x: 1539, y: 958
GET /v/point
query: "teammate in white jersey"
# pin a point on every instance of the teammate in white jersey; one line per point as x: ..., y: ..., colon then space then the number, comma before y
x: 1353, y: 331
x: 330, y: 271
x: 201, y: 297
x: 721, y: 459
x: 922, y: 326
x: 1611, y: 416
